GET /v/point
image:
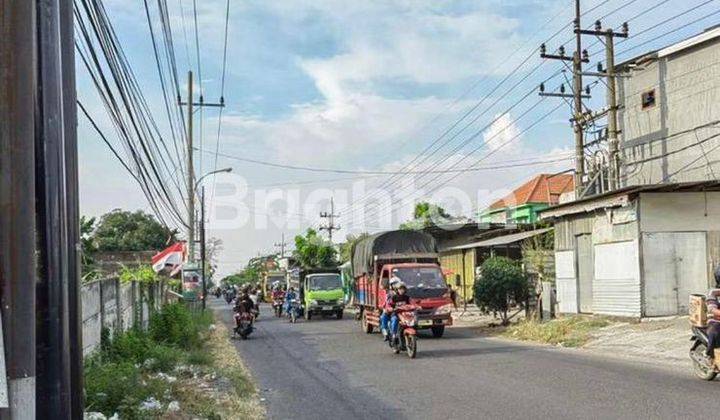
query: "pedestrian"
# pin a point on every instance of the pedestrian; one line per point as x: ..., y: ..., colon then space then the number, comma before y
x: 453, y: 295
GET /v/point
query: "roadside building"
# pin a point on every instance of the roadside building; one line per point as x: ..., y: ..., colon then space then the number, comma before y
x: 522, y: 205
x: 668, y: 117
x: 639, y: 251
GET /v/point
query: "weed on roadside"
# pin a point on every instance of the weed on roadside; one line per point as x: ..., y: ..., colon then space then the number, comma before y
x: 571, y: 331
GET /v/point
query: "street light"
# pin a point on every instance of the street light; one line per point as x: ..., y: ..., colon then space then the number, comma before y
x: 202, y: 227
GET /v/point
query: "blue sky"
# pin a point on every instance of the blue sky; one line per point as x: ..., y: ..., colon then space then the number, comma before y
x: 360, y: 85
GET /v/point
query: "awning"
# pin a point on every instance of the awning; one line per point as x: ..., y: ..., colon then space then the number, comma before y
x: 500, y: 240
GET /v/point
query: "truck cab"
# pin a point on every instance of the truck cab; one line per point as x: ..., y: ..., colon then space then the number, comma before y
x: 323, y: 294
x: 426, y: 288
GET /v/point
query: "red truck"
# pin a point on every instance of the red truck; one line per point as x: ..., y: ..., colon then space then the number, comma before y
x: 411, y: 256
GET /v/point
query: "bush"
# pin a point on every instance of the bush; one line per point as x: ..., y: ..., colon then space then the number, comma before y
x: 572, y: 331
x: 118, y: 387
x: 501, y: 283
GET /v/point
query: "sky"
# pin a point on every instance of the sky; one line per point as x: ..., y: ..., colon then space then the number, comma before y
x: 351, y: 87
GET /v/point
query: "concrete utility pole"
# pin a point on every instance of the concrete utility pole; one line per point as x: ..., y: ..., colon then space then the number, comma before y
x: 282, y: 244
x: 190, y: 162
x: 577, y: 92
x: 190, y: 173
x: 203, y: 254
x: 330, y: 227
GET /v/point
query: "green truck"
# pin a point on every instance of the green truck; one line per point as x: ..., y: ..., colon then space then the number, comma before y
x: 321, y: 291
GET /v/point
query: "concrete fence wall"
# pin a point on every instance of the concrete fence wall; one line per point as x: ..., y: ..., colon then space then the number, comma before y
x: 117, y: 306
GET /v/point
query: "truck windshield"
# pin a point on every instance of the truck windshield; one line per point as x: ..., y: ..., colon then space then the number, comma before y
x: 325, y: 282
x: 421, y: 278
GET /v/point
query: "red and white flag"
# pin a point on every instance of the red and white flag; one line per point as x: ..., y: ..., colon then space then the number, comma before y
x: 170, y: 258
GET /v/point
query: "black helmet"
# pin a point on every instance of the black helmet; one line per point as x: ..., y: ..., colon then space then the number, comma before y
x: 717, y: 276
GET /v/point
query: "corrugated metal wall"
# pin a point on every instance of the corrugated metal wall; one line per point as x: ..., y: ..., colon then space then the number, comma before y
x: 566, y: 282
x: 453, y: 261
x: 616, y: 284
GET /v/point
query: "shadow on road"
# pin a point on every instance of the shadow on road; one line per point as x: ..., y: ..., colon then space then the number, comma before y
x: 465, y: 352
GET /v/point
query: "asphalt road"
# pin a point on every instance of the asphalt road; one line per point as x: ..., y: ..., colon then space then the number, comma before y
x: 328, y: 369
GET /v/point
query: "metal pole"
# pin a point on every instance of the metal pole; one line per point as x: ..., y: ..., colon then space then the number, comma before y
x: 614, y: 180
x: 52, y: 327
x: 577, y: 90
x: 203, y: 255
x: 18, y: 265
x: 191, y: 173
x: 73, y: 210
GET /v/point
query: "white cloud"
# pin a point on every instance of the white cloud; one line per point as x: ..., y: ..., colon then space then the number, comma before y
x: 503, y: 134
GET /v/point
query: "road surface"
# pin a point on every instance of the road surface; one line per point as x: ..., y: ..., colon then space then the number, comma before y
x: 327, y: 369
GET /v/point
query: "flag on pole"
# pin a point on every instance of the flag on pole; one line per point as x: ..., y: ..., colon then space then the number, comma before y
x: 171, y: 258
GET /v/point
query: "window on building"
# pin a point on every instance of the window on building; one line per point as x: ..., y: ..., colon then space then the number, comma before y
x: 648, y: 99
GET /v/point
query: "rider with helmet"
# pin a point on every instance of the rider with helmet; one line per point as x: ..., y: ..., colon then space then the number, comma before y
x: 385, y: 316
x: 399, y: 298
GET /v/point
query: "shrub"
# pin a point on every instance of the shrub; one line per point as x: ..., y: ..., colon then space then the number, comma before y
x: 501, y: 283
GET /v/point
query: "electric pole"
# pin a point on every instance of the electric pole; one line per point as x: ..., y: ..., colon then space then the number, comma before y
x: 581, y: 118
x: 191, y: 193
x: 282, y: 244
x: 330, y: 227
x: 203, y: 249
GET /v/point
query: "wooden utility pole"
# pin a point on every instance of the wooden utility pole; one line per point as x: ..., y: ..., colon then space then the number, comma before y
x: 330, y: 227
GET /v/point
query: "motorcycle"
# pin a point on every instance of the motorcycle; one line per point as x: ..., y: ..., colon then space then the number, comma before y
x: 243, y: 324
x: 229, y: 297
x: 293, y: 312
x: 278, y: 306
x: 702, y: 367
x: 256, y: 305
x: 406, y: 337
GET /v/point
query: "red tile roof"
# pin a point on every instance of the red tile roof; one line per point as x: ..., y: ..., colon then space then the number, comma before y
x: 544, y: 188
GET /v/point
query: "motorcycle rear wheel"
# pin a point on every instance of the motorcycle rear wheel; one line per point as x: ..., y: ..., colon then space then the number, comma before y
x: 704, y: 372
x: 411, y: 346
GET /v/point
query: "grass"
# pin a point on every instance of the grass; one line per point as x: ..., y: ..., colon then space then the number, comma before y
x: 571, y: 331
x: 179, y: 358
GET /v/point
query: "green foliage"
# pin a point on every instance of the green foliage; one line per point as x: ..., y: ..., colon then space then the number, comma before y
x: 131, y: 231
x: 346, y: 247
x: 143, y: 274
x: 502, y: 282
x: 120, y: 376
x: 426, y: 215
x: 312, y: 251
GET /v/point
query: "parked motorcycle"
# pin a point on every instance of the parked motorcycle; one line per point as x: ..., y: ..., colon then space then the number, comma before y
x: 406, y: 337
x: 294, y: 310
x: 701, y: 365
x: 278, y: 307
x: 244, y: 324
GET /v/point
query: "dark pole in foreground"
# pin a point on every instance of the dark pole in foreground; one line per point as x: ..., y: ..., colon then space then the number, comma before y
x: 17, y: 203
x: 73, y: 209
x: 203, y: 256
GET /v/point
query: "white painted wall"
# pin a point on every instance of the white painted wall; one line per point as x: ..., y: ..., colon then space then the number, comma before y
x: 616, y: 284
x: 566, y: 282
x: 679, y: 212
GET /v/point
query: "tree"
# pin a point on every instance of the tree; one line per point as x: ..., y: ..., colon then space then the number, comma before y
x: 536, y: 252
x: 121, y: 230
x: 426, y: 215
x: 501, y: 283
x: 312, y: 251
x: 213, y: 247
x: 346, y: 247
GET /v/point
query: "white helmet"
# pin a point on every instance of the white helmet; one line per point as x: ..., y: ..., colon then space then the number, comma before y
x: 394, y: 282
x: 400, y: 284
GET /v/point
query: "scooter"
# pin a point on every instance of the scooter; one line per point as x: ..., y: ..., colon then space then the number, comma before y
x: 294, y: 310
x: 702, y: 368
x: 405, y: 338
x: 243, y: 324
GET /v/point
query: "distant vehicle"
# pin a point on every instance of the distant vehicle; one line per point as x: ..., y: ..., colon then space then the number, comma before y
x: 270, y: 278
x: 294, y: 310
x: 411, y: 256
x: 322, y: 292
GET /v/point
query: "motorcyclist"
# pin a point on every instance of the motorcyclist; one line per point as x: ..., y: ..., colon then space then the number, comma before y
x: 243, y: 303
x: 385, y: 316
x: 713, y: 308
x: 396, y: 300
x: 289, y: 297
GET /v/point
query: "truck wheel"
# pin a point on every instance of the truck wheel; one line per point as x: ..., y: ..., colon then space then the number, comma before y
x: 366, y: 327
x: 340, y: 314
x: 438, y: 332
